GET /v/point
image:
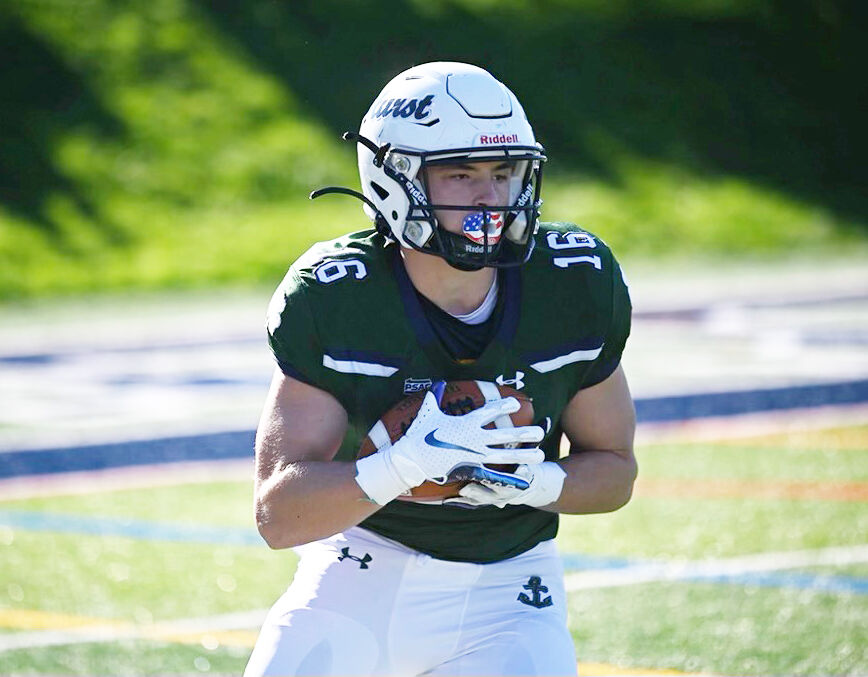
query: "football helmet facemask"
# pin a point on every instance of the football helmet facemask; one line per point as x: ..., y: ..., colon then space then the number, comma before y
x: 448, y: 113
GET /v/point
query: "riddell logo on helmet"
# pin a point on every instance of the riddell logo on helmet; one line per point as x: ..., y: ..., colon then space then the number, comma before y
x: 498, y: 138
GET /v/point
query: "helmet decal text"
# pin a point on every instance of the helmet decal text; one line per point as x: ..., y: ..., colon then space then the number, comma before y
x: 412, y: 190
x: 525, y: 196
x: 404, y: 108
x: 498, y: 138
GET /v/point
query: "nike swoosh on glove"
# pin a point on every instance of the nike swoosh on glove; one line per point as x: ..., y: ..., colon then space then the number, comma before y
x: 436, y: 443
x: 545, y: 484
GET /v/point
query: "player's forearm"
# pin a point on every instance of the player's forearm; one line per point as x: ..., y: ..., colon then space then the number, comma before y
x: 597, y: 481
x: 309, y: 500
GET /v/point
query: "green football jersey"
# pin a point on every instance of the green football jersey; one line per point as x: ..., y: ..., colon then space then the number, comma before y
x: 347, y: 319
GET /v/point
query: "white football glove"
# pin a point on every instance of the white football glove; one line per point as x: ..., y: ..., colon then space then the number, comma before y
x: 435, y: 444
x: 545, y: 484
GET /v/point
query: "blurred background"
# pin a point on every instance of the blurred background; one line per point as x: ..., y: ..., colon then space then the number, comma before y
x: 172, y: 143
x: 155, y: 162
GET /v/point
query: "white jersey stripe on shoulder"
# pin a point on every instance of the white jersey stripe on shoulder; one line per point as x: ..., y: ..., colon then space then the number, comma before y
x: 354, y: 367
x: 563, y: 360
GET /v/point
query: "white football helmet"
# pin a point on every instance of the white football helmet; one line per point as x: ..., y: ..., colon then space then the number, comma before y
x: 442, y: 113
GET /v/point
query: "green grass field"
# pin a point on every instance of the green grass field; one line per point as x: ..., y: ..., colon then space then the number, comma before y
x: 105, y: 563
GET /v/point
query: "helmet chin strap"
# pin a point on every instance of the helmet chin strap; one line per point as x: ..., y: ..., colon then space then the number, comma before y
x: 465, y: 254
x: 378, y: 151
x: 379, y: 220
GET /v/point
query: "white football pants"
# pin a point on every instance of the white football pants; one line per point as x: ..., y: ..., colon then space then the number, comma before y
x: 361, y: 605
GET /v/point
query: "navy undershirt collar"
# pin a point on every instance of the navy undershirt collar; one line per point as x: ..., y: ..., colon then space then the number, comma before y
x: 419, y: 319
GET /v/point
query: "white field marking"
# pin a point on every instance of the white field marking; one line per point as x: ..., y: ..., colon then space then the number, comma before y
x: 86, y: 482
x: 110, y: 632
x: 609, y: 670
x: 753, y: 424
x: 208, y: 629
x: 678, y: 570
x: 592, y: 579
x: 190, y: 472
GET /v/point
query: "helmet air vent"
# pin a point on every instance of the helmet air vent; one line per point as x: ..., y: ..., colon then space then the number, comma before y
x: 381, y: 192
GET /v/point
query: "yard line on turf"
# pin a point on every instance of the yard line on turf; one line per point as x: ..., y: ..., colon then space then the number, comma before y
x: 609, y: 670
x: 86, y: 482
x: 611, y: 572
x: 745, y: 427
x: 211, y: 632
x: 48, y: 629
x: 230, y: 629
x: 713, y: 569
x: 129, y: 528
x: 825, y: 490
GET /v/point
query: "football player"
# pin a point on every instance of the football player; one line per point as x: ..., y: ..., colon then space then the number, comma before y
x: 457, y: 280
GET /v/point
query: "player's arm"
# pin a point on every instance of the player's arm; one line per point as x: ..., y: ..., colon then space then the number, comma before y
x: 599, y: 423
x: 301, y: 494
x: 598, y: 473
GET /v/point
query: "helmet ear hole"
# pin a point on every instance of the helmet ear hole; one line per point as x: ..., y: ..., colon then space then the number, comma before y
x: 394, y: 215
x: 381, y: 192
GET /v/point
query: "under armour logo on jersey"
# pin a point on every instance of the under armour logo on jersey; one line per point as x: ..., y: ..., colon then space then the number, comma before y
x: 416, y: 385
x: 535, y: 599
x: 517, y: 381
x: 363, y: 561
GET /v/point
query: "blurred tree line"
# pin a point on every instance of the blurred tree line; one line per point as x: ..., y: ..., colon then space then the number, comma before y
x: 772, y: 91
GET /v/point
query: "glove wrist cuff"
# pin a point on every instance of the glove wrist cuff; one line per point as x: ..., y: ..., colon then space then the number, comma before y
x: 548, y: 483
x: 375, y: 476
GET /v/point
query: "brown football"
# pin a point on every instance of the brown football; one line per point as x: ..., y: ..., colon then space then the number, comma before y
x: 459, y: 397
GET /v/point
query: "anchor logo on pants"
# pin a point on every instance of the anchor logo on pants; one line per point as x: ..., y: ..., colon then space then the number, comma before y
x: 536, y: 588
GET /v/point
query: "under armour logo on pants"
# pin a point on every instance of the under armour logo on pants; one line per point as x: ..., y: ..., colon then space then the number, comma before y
x: 363, y: 561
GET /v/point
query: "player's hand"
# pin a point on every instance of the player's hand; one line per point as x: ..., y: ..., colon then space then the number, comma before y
x: 436, y: 443
x: 545, y: 482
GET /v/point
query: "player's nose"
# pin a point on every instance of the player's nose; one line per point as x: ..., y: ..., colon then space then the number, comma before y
x: 487, y: 194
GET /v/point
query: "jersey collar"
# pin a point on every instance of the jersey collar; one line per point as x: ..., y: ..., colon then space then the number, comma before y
x: 511, y: 278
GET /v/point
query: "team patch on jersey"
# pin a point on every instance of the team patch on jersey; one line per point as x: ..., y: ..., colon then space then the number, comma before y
x: 416, y: 385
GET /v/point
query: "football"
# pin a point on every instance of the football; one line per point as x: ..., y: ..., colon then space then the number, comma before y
x: 459, y: 397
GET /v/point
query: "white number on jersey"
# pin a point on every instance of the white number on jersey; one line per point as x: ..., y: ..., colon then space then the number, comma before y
x: 336, y: 269
x: 565, y: 261
x: 573, y: 240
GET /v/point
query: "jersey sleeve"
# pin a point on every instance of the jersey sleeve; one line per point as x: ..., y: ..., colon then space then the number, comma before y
x: 292, y: 332
x: 619, y: 330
